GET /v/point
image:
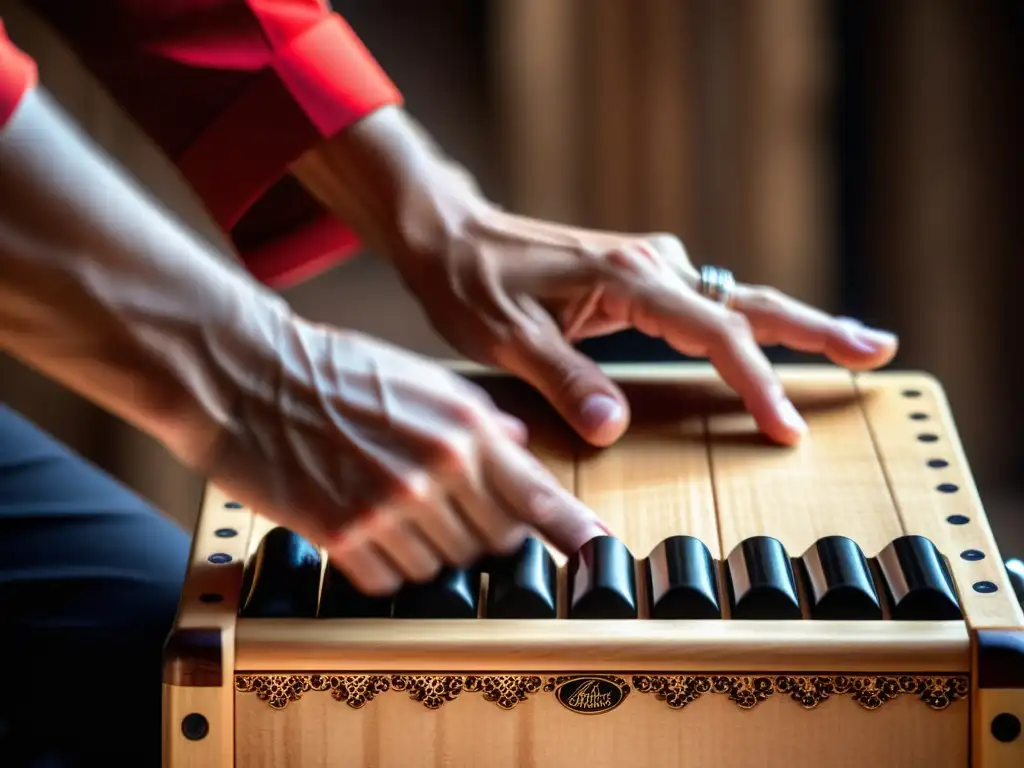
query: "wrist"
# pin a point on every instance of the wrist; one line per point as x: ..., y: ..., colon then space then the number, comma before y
x: 386, y: 179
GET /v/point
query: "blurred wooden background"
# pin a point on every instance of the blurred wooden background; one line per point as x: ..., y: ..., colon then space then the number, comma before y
x: 863, y: 156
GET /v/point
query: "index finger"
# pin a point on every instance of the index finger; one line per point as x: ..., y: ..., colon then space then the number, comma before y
x: 529, y: 491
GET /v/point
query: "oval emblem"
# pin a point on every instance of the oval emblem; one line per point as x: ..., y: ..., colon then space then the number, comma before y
x: 591, y: 694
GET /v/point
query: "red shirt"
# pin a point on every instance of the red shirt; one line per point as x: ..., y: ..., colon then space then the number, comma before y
x: 233, y: 91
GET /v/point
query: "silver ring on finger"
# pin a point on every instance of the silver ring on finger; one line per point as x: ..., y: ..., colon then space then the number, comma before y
x: 717, y: 284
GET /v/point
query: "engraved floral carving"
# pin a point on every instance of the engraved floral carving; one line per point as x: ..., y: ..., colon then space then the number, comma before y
x: 276, y: 690
x: 280, y: 690
x: 504, y: 690
x: 430, y: 690
x: 870, y: 692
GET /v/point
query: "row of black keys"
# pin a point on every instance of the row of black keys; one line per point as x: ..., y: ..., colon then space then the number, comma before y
x: 761, y: 580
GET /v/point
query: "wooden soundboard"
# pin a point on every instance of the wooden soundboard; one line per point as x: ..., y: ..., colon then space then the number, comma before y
x: 839, y: 603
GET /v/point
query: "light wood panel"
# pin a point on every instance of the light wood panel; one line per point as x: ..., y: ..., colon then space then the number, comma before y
x: 652, y: 484
x: 931, y: 484
x: 393, y: 731
x: 831, y: 484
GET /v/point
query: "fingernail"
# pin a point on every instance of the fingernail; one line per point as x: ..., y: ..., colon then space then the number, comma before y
x: 867, y: 340
x: 874, y: 338
x: 791, y: 418
x: 600, y: 410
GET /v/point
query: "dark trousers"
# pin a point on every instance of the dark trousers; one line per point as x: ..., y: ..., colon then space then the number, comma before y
x: 90, y: 577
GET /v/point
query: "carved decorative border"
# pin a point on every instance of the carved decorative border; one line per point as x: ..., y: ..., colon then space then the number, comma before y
x: 677, y: 691
x: 869, y: 691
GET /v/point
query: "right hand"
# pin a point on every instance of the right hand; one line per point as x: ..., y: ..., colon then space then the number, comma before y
x: 392, y: 463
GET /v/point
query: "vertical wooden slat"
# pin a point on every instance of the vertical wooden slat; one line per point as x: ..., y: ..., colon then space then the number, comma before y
x: 536, y: 70
x: 933, y: 238
x: 774, y: 192
x: 609, y: 170
x: 667, y: 181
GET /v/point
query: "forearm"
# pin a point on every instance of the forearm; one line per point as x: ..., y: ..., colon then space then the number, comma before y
x: 102, y: 291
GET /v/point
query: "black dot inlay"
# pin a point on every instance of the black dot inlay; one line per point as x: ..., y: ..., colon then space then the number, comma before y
x: 1005, y: 727
x: 911, y: 393
x: 972, y: 554
x: 918, y: 416
x: 195, y: 727
x: 232, y: 505
x: 211, y: 597
x: 985, y: 587
x: 219, y: 558
x: 947, y: 488
x: 958, y: 520
x: 225, y: 533
x: 938, y: 463
x: 927, y: 437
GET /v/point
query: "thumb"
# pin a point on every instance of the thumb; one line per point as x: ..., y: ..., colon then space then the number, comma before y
x: 574, y: 385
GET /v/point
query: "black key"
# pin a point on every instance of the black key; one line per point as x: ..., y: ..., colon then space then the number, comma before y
x: 454, y: 594
x: 339, y: 599
x: 284, y: 578
x: 839, y: 583
x: 602, y: 581
x: 524, y: 585
x: 682, y: 582
x: 761, y: 581
x: 917, y: 582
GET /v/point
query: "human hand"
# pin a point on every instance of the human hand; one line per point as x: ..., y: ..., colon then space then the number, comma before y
x: 391, y: 462
x: 515, y: 293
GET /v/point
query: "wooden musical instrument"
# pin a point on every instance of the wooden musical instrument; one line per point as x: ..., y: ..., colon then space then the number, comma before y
x: 841, y: 603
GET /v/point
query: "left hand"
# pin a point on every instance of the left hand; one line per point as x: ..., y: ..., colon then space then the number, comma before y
x: 515, y: 293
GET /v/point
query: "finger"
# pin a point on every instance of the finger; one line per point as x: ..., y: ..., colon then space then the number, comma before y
x: 403, y: 545
x: 527, y: 488
x: 779, y: 319
x: 696, y: 326
x: 573, y: 383
x: 364, y: 567
x: 495, y: 526
x: 446, y: 530
x: 734, y: 352
x: 514, y: 428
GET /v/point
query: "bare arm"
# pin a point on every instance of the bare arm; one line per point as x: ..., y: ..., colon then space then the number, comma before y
x: 104, y: 292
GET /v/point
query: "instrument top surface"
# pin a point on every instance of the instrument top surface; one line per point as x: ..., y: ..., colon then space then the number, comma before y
x: 882, y: 460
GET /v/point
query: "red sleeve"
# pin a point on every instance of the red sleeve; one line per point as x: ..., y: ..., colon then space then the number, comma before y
x: 234, y: 91
x: 17, y: 75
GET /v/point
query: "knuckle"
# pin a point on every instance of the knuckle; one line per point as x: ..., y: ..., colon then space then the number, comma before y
x: 730, y: 327
x: 664, y: 240
x: 670, y: 247
x: 769, y: 298
x: 469, y: 413
x: 412, y: 486
x: 451, y: 457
